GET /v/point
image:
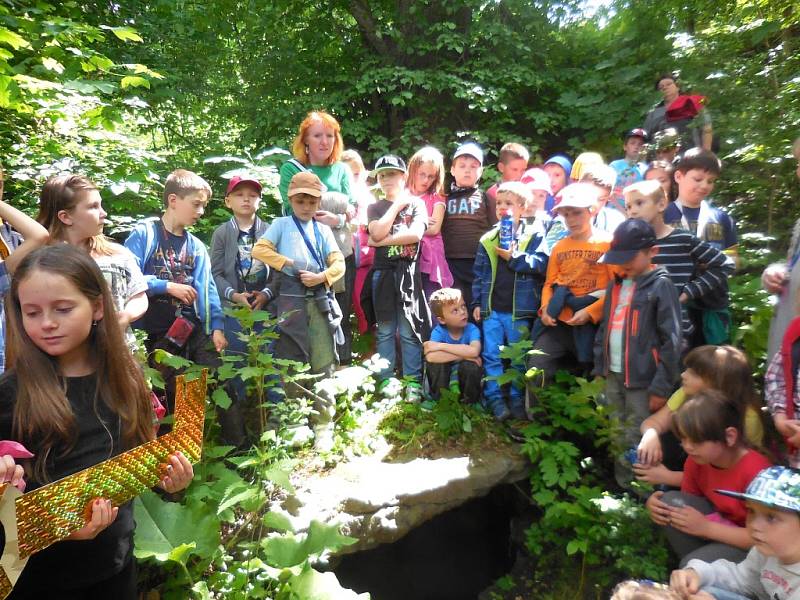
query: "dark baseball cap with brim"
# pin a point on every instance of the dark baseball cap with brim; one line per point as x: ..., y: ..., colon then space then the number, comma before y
x: 237, y: 181
x: 630, y: 237
x: 777, y: 487
x: 388, y: 162
x: 636, y: 132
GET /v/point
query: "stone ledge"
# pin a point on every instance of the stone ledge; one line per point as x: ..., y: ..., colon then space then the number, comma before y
x: 379, y: 502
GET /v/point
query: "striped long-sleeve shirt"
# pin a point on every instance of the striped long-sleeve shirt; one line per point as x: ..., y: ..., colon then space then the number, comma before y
x: 696, y: 268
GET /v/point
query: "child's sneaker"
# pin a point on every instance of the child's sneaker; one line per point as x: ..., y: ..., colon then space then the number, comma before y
x: 518, y: 412
x: 391, y: 388
x: 498, y: 409
x: 414, y: 393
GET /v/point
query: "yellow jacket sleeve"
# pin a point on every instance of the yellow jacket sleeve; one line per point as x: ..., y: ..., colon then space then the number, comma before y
x: 265, y: 251
x: 335, y: 268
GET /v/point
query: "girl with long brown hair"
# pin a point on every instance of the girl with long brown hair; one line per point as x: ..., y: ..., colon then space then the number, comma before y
x: 699, y: 522
x: 71, y: 209
x: 74, y: 396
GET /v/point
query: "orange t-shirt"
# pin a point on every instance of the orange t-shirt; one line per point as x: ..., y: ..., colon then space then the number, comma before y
x: 574, y: 264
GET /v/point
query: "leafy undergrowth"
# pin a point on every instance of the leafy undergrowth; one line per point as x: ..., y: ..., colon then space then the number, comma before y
x: 432, y: 429
x: 220, y: 540
x: 584, y: 535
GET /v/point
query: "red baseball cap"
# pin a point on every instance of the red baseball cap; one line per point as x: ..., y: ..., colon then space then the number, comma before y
x: 236, y: 180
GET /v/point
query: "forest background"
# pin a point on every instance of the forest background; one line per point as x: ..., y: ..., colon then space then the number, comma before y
x: 126, y: 92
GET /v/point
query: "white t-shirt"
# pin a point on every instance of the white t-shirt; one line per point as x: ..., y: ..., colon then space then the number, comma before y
x: 124, y: 279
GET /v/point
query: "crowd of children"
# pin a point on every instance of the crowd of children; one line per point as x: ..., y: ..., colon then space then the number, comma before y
x: 618, y: 270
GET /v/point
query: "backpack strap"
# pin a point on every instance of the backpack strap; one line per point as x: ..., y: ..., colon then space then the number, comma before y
x: 297, y: 164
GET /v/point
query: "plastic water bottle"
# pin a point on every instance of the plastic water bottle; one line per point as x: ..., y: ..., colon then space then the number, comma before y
x: 506, y: 231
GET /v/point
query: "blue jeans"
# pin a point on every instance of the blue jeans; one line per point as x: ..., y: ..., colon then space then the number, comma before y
x: 498, y: 329
x: 720, y: 594
x: 410, y: 346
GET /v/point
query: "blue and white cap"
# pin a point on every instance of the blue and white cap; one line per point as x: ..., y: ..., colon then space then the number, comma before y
x: 469, y: 149
x: 778, y: 487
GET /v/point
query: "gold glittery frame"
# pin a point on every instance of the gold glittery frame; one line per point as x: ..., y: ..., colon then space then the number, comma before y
x: 35, y: 520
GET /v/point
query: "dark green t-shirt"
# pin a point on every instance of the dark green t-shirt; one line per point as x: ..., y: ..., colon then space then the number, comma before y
x: 335, y: 178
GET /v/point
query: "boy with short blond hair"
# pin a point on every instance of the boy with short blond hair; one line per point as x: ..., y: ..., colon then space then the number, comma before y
x: 176, y: 265
x: 506, y: 292
x: 452, y: 355
x: 511, y: 164
x: 184, y: 314
x: 182, y: 182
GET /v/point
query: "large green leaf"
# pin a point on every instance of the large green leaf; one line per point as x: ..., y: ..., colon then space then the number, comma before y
x: 126, y: 34
x: 289, y: 550
x: 167, y: 531
x: 13, y: 39
x: 134, y: 81
x: 313, y: 585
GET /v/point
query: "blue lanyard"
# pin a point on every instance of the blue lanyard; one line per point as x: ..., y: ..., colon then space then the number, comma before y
x: 316, y: 253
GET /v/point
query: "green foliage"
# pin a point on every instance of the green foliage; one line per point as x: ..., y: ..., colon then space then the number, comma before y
x: 125, y: 92
x: 751, y: 306
x: 451, y: 416
x: 287, y: 550
x: 262, y: 166
x: 258, y: 554
x: 435, y: 423
x: 163, y: 527
x: 313, y: 585
x: 568, y: 442
x: 67, y: 105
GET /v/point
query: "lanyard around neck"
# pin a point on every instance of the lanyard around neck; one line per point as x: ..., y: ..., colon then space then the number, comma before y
x: 315, y: 253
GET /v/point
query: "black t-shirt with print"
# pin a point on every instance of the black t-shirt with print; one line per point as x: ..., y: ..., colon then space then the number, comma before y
x: 170, y: 261
x: 74, y: 564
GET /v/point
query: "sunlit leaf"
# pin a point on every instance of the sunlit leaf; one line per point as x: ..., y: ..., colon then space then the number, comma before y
x: 134, y: 81
x: 13, y: 39
x: 126, y: 34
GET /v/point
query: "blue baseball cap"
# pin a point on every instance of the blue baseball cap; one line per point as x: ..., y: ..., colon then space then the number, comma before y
x: 778, y: 487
